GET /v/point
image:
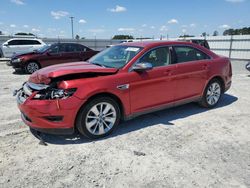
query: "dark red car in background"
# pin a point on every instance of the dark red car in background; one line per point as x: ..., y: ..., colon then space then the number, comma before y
x: 51, y: 55
x: 120, y: 83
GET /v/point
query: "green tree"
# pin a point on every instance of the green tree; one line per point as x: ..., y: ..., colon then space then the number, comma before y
x: 77, y: 37
x: 228, y: 32
x: 242, y: 31
x: 245, y: 31
x: 204, y: 34
x: 216, y: 33
x: 123, y: 37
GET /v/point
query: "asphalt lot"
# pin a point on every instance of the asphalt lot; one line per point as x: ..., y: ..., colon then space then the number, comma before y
x: 186, y: 146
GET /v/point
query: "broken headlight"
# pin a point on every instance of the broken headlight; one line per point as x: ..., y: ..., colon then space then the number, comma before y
x: 52, y: 93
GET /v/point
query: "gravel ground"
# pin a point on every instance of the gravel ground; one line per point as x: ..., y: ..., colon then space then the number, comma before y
x: 186, y: 146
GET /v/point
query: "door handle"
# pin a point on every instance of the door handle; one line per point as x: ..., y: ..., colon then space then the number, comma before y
x: 205, y: 66
x: 168, y: 72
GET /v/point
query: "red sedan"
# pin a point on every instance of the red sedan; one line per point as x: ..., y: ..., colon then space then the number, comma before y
x: 120, y: 83
x: 51, y: 55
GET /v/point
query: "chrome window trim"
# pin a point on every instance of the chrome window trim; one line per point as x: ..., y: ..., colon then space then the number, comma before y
x: 162, y: 46
x: 190, y: 46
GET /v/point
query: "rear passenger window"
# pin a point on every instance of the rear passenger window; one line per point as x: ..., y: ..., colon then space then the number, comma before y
x: 34, y: 42
x: 24, y: 42
x: 157, y: 57
x: 54, y: 49
x: 186, y: 54
x: 13, y: 42
x: 72, y: 48
x: 62, y: 48
x: 83, y: 48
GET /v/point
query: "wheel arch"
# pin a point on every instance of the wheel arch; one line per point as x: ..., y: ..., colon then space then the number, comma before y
x: 33, y: 60
x: 104, y: 94
x: 220, y: 79
x: 24, y: 67
x: 217, y: 77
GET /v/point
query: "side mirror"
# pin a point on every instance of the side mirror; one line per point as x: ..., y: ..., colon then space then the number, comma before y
x: 6, y: 44
x: 48, y: 53
x: 140, y: 67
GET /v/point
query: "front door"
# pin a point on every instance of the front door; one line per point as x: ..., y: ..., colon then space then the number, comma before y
x: 152, y: 88
x: 52, y: 56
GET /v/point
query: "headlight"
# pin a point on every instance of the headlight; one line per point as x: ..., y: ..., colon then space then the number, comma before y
x: 54, y: 94
x: 18, y: 60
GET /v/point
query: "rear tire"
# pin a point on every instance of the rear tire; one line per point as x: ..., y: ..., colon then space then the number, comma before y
x: 212, y: 94
x: 32, y: 67
x: 98, y: 118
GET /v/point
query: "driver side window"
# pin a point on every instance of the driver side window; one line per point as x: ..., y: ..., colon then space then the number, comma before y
x: 54, y: 49
x: 157, y: 57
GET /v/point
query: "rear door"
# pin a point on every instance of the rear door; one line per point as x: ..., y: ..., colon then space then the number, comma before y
x: 192, y: 66
x: 155, y: 87
x: 86, y: 52
x: 71, y: 53
x: 34, y: 44
x: 25, y: 46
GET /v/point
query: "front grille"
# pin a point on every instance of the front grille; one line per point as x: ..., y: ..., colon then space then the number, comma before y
x: 54, y: 118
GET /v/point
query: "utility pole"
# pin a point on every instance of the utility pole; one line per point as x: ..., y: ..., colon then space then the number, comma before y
x: 72, y: 29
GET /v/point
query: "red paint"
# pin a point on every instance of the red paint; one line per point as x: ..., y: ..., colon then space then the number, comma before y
x: 150, y: 89
x: 46, y: 58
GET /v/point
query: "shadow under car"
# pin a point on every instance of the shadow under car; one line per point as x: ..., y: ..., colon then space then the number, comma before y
x: 164, y: 117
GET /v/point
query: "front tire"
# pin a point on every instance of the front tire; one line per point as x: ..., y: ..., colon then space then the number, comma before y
x: 98, y: 118
x: 32, y: 67
x: 212, y: 94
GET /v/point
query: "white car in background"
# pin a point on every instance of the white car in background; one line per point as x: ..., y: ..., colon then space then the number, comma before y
x: 20, y: 45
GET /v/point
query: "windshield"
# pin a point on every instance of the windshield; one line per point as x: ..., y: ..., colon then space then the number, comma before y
x: 43, y: 49
x: 116, y: 56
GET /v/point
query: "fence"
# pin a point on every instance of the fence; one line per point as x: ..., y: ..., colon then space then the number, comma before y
x: 235, y: 47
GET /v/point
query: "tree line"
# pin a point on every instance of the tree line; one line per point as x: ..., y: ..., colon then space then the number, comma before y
x: 242, y: 31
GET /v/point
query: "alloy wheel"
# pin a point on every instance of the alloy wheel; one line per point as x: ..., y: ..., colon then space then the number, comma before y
x: 101, y: 118
x: 213, y: 93
x: 32, y: 67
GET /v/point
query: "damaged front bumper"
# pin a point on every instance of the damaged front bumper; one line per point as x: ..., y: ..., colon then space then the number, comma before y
x: 56, y: 116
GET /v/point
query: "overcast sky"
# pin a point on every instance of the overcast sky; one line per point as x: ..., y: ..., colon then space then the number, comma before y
x: 105, y: 18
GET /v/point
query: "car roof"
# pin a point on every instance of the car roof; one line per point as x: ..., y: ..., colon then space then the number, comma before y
x: 67, y: 43
x: 150, y: 44
x: 9, y: 40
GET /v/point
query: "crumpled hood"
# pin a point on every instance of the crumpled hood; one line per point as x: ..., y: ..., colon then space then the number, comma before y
x: 45, y: 75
